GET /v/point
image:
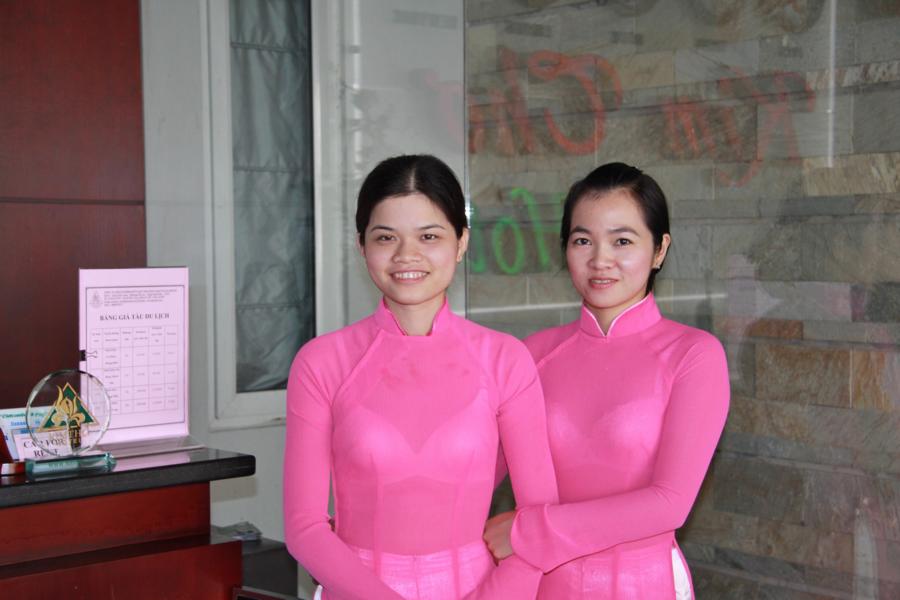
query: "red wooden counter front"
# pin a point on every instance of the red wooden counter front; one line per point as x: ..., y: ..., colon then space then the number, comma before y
x: 152, y: 543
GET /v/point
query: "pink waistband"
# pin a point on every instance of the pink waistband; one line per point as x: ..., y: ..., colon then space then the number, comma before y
x: 444, y: 575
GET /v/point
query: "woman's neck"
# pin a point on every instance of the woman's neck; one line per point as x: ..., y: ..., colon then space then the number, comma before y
x: 606, y: 317
x: 416, y: 319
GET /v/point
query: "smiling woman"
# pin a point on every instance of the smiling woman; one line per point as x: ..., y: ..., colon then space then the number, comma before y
x: 405, y: 410
x: 411, y: 253
x: 635, y: 405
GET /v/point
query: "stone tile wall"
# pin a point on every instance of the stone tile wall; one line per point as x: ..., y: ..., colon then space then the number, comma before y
x: 774, y: 128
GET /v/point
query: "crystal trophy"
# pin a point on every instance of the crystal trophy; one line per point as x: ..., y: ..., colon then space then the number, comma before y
x: 66, y: 416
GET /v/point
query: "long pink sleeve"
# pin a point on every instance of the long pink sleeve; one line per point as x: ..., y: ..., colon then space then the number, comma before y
x: 307, y: 468
x: 523, y: 434
x: 634, y: 419
x: 407, y: 428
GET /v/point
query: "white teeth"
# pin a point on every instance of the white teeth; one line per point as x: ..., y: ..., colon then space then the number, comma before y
x: 409, y: 275
x: 602, y: 281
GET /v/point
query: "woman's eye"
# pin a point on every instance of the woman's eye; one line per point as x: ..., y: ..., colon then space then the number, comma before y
x: 581, y: 241
x: 429, y: 236
x: 384, y: 238
x: 623, y: 242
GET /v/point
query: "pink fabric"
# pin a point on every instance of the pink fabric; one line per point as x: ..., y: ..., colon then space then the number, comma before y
x: 407, y: 427
x: 633, y: 418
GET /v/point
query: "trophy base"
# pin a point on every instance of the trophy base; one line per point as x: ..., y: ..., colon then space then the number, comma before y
x: 69, y: 464
x: 12, y: 468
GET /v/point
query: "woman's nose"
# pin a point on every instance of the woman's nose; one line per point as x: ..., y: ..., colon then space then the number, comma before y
x: 407, y: 251
x: 600, y: 258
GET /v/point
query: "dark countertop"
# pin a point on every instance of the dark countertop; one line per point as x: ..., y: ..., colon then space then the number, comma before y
x: 130, y: 474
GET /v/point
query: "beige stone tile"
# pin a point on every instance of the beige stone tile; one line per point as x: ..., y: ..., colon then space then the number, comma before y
x: 875, y: 380
x: 652, y: 69
x: 741, y: 327
x: 803, y: 374
x: 854, y: 75
x: 854, y: 174
x: 728, y: 530
x: 806, y: 545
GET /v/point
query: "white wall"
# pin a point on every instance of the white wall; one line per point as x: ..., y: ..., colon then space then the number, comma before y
x: 179, y: 232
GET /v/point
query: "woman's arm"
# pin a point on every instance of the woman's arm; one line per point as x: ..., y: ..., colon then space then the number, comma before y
x: 547, y: 536
x: 307, y: 467
x: 522, y: 423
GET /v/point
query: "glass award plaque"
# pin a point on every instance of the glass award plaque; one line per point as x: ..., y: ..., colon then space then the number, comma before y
x: 66, y: 416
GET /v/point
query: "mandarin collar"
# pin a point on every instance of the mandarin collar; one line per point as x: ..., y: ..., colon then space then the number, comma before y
x: 386, y: 320
x: 634, y: 319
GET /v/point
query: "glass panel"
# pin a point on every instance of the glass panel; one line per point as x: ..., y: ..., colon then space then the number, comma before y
x: 390, y: 84
x: 273, y: 208
x: 774, y: 129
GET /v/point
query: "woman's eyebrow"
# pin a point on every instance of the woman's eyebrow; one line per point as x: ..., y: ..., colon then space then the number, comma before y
x: 432, y: 226
x: 579, y: 229
x: 623, y: 229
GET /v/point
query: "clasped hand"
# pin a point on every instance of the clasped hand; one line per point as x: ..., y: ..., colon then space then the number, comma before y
x: 496, y: 535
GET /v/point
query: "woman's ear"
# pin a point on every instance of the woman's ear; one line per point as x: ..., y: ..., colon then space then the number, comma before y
x: 360, y: 247
x: 660, y: 256
x: 462, y: 244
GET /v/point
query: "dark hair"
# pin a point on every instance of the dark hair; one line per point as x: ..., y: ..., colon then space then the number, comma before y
x: 409, y: 174
x: 643, y: 189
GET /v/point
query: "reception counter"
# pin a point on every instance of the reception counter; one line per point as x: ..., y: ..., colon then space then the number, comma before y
x: 141, y: 530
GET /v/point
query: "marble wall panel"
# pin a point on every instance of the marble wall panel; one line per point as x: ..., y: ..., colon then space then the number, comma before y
x: 838, y: 500
x: 739, y: 328
x: 602, y: 28
x: 883, y: 133
x: 771, y: 248
x: 875, y: 380
x: 857, y: 251
x: 784, y: 575
x: 633, y: 137
x: 828, y: 128
x: 815, y: 47
x: 854, y: 174
x: 477, y: 10
x: 647, y: 70
x: 854, y: 76
x: 879, y: 302
x: 740, y: 182
x: 481, y: 49
x: 676, y: 24
x: 683, y: 184
x: 878, y: 204
x: 877, y: 39
x: 877, y: 334
x: 816, y: 428
x: 717, y: 61
x: 827, y: 206
x: 803, y: 374
x: 790, y: 450
x: 689, y: 256
x: 823, y: 549
x: 722, y: 131
x: 793, y: 301
x: 725, y: 530
x: 756, y: 487
x: 710, y: 583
